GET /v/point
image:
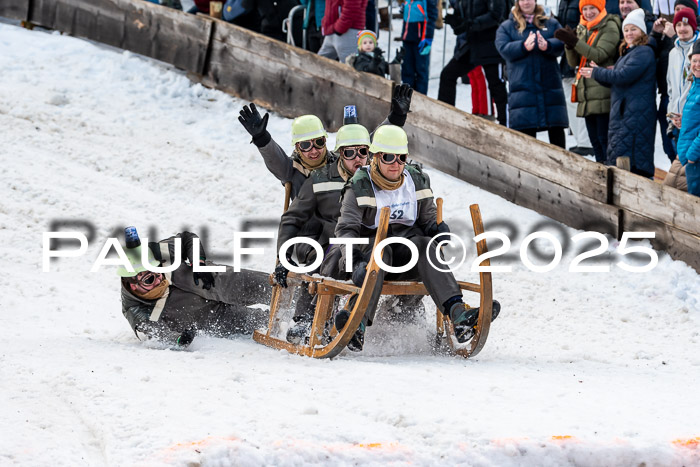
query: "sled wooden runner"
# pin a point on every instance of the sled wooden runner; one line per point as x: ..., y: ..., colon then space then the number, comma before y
x: 326, y: 342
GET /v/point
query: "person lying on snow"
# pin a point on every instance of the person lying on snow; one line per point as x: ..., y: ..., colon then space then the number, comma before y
x: 405, y: 189
x: 172, y: 307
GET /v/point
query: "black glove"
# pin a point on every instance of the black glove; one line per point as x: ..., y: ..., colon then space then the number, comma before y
x: 207, y: 279
x: 186, y: 338
x: 458, y: 24
x: 669, y: 130
x: 254, y: 124
x: 281, y: 273
x: 435, y: 229
x: 400, y: 104
x: 567, y: 36
x: 400, y: 52
x: 359, y: 273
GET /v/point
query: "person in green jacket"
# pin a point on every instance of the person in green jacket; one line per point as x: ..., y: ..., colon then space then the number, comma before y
x: 595, y: 41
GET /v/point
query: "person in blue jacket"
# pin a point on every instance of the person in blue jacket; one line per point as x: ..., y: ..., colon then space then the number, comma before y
x: 417, y: 34
x: 536, y: 99
x: 633, y: 97
x: 689, y: 139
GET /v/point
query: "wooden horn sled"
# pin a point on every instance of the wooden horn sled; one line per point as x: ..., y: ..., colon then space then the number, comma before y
x: 325, y: 341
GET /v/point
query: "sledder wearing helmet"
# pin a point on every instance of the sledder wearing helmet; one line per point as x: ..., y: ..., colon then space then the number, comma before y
x: 172, y: 307
x: 391, y: 182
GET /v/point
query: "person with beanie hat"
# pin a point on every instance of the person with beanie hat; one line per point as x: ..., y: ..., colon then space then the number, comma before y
x: 689, y: 139
x: 595, y: 40
x: 633, y: 97
x: 692, y: 4
x: 685, y: 25
x: 369, y: 58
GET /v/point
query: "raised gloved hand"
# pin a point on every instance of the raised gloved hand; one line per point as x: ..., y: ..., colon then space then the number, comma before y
x: 424, y: 46
x: 252, y: 121
x: 186, y: 338
x: 400, y: 104
x: 400, y: 52
x: 435, y: 229
x: 567, y: 36
x: 207, y: 278
x: 281, y: 273
x: 359, y: 273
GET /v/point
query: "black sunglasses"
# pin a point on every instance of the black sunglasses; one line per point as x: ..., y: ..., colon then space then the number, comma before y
x: 319, y: 143
x: 352, y: 153
x: 390, y: 158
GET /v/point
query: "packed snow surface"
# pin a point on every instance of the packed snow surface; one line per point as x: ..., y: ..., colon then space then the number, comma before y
x: 580, y: 368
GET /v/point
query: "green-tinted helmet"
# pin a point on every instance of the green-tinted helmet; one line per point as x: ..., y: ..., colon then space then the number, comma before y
x: 307, y: 127
x: 351, y: 135
x: 134, y: 257
x: 391, y: 139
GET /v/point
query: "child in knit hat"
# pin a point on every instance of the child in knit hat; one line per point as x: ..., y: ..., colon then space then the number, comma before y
x: 369, y: 58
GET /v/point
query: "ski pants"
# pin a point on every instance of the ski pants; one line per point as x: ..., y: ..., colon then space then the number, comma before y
x: 415, y: 69
x: 458, y: 67
x: 440, y: 285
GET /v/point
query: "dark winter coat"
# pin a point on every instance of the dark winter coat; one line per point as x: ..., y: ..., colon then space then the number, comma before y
x: 341, y: 15
x: 272, y: 13
x: 219, y: 311
x: 419, y: 18
x: 613, y: 6
x: 632, y: 108
x: 481, y: 18
x: 568, y: 15
x: 593, y: 98
x: 370, y: 63
x: 536, y: 98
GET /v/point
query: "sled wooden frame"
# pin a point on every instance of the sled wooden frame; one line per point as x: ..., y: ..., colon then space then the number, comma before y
x: 326, y: 289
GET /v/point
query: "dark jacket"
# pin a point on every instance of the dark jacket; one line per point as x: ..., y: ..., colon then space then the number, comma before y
x: 481, y: 20
x: 272, y: 13
x: 632, y: 108
x: 536, y: 98
x: 318, y: 198
x: 419, y: 18
x: 370, y: 63
x: 219, y: 311
x: 568, y: 15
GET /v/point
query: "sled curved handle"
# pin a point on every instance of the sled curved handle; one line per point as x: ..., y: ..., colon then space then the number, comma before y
x: 287, y: 195
x: 438, y: 202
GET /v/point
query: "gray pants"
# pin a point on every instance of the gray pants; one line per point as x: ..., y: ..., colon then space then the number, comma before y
x: 441, y: 285
x: 340, y: 47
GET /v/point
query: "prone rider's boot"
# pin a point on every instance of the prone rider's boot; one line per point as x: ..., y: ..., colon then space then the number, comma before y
x: 341, y: 319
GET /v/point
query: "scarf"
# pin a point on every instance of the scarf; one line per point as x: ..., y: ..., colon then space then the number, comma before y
x: 155, y: 293
x: 594, y: 22
x: 529, y: 18
x: 380, y: 180
x: 343, y: 171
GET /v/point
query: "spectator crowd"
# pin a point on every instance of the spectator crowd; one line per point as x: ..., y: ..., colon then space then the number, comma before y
x: 606, y: 71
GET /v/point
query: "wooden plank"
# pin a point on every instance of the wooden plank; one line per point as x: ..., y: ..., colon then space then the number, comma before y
x: 15, y: 9
x: 515, y: 185
x: 145, y: 28
x: 549, y: 162
x: 290, y: 80
x: 680, y: 245
x: 652, y: 200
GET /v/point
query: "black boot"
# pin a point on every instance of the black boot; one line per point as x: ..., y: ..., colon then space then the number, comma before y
x: 299, y: 332
x: 464, y: 319
x: 358, y: 339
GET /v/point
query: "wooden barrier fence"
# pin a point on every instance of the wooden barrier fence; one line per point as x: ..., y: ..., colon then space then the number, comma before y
x: 292, y: 82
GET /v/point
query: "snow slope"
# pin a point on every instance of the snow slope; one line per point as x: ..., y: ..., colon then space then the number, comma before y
x: 580, y: 369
